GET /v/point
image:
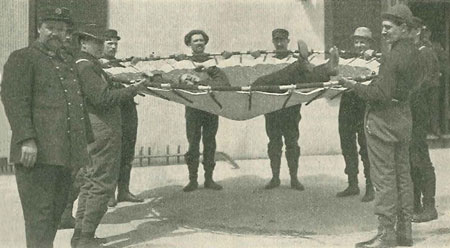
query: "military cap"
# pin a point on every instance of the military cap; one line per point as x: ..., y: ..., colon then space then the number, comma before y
x: 56, y: 14
x: 187, y: 37
x: 111, y: 33
x: 398, y: 13
x: 91, y: 30
x: 362, y: 32
x: 416, y: 22
x: 280, y: 33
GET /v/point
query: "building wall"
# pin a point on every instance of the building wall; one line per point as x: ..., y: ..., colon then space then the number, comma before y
x: 13, y: 35
x: 159, y: 26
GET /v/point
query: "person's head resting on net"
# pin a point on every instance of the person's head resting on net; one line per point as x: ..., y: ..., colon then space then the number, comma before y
x: 196, y: 40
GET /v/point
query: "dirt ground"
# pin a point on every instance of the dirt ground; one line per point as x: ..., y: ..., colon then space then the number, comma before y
x: 243, y: 214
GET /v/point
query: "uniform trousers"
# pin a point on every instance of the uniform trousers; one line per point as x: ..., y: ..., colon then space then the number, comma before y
x: 100, y: 178
x: 351, y: 129
x: 43, y: 191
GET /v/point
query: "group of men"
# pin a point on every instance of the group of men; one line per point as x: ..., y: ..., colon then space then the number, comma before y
x: 71, y: 121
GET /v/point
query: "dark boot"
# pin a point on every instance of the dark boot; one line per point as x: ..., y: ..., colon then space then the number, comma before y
x: 193, y: 174
x: 352, y: 188
x: 127, y: 196
x: 404, y: 232
x: 275, y: 166
x: 209, y: 182
x: 429, y: 212
x: 112, y: 201
x: 67, y: 220
x: 385, y: 238
x: 75, y: 238
x: 292, y: 161
x: 370, y: 192
x: 87, y: 240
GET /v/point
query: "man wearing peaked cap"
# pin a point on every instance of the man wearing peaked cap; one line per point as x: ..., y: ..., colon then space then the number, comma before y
x: 129, y: 125
x: 422, y: 170
x: 388, y: 127
x: 103, y: 105
x: 44, y: 103
x: 351, y: 128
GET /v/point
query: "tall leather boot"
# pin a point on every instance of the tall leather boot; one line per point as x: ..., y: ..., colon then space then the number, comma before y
x: 352, y: 189
x: 429, y: 212
x: 292, y: 161
x: 209, y: 182
x: 404, y: 231
x: 416, y: 177
x: 193, y: 174
x: 67, y: 220
x: 370, y: 192
x: 275, y: 162
x: 385, y: 238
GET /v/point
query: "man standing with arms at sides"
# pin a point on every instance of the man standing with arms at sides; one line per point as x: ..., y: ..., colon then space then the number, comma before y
x: 284, y: 122
x: 44, y: 103
x: 200, y: 123
x: 388, y: 125
x: 351, y: 128
x: 103, y: 104
x: 129, y: 125
x: 422, y: 170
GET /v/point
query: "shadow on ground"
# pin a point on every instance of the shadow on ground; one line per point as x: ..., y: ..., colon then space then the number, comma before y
x: 243, y: 207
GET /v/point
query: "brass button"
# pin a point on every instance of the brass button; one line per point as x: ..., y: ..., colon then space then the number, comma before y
x: 65, y: 91
x: 68, y: 131
x: 61, y: 78
x: 82, y: 118
x: 69, y: 103
x: 57, y: 67
x: 79, y: 92
x: 68, y: 118
x: 81, y: 105
x: 74, y: 80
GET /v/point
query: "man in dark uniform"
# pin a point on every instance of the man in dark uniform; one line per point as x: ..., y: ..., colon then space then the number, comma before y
x: 129, y: 125
x: 388, y: 125
x: 351, y: 128
x: 200, y: 123
x: 103, y: 105
x: 44, y: 103
x: 422, y: 170
x: 284, y: 122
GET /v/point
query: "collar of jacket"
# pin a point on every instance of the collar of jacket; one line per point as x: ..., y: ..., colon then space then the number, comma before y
x: 90, y: 57
x: 200, y: 58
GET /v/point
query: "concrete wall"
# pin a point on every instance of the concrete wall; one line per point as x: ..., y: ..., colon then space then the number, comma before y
x: 159, y: 26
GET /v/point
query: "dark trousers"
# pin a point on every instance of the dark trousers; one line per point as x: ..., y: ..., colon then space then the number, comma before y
x: 201, y: 124
x: 422, y: 170
x: 43, y: 192
x: 129, y: 135
x: 390, y: 174
x: 351, y: 129
x: 279, y: 124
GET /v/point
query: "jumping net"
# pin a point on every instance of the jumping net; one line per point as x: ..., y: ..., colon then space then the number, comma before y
x: 240, y: 101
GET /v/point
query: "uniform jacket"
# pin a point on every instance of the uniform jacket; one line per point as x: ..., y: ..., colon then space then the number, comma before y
x: 388, y: 113
x: 102, y: 98
x: 43, y: 100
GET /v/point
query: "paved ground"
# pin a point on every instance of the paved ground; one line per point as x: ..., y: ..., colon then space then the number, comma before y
x: 242, y: 215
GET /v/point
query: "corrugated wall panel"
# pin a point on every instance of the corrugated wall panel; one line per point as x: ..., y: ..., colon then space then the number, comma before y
x: 13, y: 35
